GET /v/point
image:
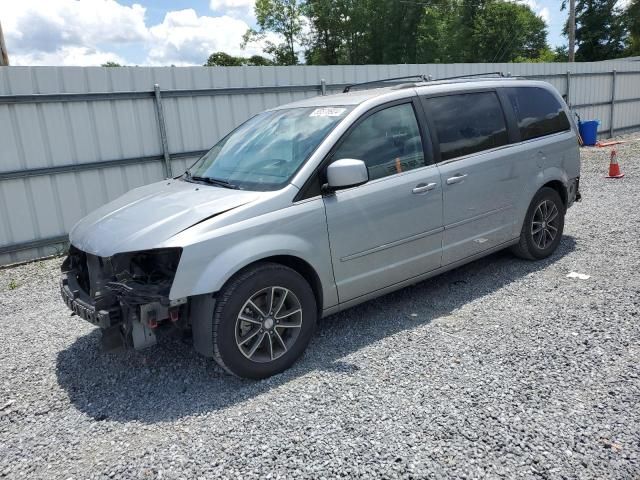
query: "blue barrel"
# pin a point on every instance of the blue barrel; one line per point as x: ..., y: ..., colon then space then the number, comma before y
x: 589, y: 131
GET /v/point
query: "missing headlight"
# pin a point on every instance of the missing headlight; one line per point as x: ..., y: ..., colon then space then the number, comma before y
x: 144, y: 277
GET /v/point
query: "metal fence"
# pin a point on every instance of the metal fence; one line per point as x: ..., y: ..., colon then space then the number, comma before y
x: 73, y: 138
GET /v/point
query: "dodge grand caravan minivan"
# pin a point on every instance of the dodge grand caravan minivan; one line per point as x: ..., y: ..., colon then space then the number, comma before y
x: 315, y: 206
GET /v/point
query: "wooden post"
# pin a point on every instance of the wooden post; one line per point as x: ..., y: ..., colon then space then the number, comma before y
x: 612, y: 115
x: 4, y: 55
x: 162, y: 128
x: 572, y: 30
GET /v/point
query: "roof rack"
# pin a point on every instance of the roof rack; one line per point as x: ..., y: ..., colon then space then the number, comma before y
x: 422, y: 78
x: 426, y: 78
x: 471, y: 75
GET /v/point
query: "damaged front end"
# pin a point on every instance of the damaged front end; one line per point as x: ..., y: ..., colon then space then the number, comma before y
x: 126, y: 295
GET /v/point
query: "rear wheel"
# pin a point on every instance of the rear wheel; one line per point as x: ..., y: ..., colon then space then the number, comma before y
x: 543, y: 226
x: 263, y: 321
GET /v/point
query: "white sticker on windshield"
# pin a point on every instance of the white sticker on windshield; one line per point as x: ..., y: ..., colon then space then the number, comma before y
x: 328, y: 112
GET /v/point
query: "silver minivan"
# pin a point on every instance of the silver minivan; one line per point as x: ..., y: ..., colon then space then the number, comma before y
x: 318, y: 205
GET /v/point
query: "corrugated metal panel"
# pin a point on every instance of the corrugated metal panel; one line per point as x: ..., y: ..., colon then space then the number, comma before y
x: 67, y: 133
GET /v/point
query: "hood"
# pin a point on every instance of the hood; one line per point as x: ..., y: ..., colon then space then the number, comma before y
x: 147, y: 216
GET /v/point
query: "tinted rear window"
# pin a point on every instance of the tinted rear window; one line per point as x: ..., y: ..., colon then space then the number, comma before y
x: 467, y: 123
x: 538, y: 112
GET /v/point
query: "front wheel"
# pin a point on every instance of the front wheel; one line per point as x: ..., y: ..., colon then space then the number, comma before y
x: 263, y: 321
x: 543, y: 226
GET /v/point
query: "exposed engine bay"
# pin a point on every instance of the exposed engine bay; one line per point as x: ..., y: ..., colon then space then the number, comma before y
x: 127, y: 295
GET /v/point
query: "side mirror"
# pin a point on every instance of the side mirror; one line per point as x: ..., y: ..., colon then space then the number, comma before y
x: 347, y: 172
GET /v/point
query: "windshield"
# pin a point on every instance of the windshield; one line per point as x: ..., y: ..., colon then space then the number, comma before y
x: 264, y: 152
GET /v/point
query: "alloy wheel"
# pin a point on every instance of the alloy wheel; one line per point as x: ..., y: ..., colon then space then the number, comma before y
x: 268, y: 324
x: 545, y: 224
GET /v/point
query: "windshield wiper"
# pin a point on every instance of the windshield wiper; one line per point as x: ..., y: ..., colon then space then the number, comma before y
x: 213, y: 181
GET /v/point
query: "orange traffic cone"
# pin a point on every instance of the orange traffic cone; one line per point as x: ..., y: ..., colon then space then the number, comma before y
x: 614, y: 168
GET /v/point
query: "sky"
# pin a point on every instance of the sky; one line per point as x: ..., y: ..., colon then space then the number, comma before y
x: 150, y: 32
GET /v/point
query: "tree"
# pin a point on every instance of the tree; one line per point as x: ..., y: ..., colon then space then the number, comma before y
x: 259, y: 61
x: 222, y: 59
x: 561, y: 54
x: 327, y: 41
x: 283, y: 17
x: 465, y: 29
x: 435, y: 43
x: 110, y: 64
x: 340, y: 31
x: 601, y: 32
x: 633, y: 21
x: 504, y: 31
x: 480, y: 31
x: 399, y: 31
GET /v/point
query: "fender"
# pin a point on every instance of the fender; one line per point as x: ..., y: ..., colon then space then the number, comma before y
x: 300, y: 233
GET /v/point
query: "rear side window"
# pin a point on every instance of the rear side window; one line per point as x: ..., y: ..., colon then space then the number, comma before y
x: 467, y: 123
x: 538, y: 112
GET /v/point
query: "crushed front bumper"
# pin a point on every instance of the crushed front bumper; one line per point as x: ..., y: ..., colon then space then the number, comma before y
x: 81, y: 304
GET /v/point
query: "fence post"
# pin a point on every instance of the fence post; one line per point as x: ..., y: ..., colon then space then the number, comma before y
x: 613, y: 103
x: 163, y: 131
x: 568, y: 90
x: 323, y: 87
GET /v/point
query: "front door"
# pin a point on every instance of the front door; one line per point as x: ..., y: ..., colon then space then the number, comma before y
x: 389, y: 229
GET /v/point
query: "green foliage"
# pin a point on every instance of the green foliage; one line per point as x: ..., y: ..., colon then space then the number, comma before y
x: 13, y: 285
x: 561, y: 53
x: 430, y: 31
x: 504, y: 31
x: 110, y: 64
x: 362, y: 31
x: 601, y: 30
x: 221, y: 59
x: 632, y: 18
x: 258, y: 60
x: 546, y: 55
x: 283, y: 17
x: 438, y: 39
x: 392, y: 31
x: 339, y: 31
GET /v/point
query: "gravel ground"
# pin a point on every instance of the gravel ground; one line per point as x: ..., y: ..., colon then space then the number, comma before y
x: 502, y: 368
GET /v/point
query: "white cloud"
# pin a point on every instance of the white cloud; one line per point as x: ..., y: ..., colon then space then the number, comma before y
x: 542, y: 12
x: 67, y: 56
x: 236, y: 8
x: 69, y: 32
x: 184, y: 38
x: 33, y: 23
x: 88, y: 32
x: 545, y: 15
x: 230, y: 4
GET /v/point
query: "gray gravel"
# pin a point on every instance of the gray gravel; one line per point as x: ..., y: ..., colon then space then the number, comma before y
x: 502, y: 368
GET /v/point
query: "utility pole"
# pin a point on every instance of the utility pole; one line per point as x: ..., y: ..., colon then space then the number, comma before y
x: 572, y: 30
x: 4, y: 55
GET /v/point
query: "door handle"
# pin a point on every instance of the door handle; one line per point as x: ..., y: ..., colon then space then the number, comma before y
x: 424, y: 188
x: 456, y: 179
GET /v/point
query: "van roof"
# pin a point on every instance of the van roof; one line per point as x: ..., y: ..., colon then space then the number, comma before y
x: 356, y: 97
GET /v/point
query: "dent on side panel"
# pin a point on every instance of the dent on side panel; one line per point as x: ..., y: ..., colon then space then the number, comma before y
x: 562, y: 160
x: 298, y: 230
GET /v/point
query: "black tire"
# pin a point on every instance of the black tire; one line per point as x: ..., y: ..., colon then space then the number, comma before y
x: 231, y: 301
x: 529, y: 245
